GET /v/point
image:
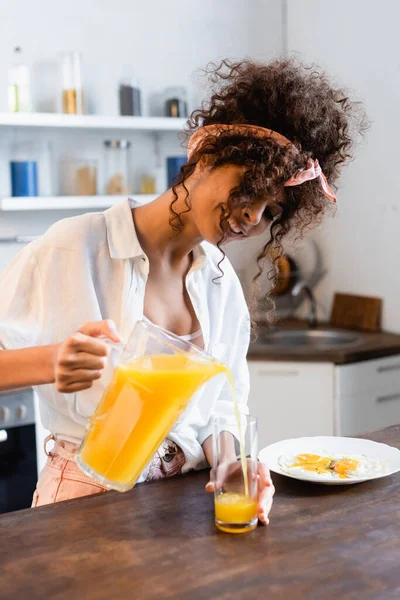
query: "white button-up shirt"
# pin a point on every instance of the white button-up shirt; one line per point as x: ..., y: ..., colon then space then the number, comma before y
x: 91, y: 267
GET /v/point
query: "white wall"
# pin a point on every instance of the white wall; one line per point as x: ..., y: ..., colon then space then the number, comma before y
x: 358, y: 42
x: 165, y: 42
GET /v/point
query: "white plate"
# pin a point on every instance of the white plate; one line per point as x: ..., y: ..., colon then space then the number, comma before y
x: 329, y: 444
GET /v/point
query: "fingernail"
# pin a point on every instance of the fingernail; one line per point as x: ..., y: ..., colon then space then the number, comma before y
x: 113, y: 328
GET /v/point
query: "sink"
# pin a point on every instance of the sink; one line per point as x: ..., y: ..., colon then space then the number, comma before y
x: 311, y: 338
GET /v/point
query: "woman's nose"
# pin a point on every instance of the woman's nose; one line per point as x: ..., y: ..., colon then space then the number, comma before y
x: 252, y: 215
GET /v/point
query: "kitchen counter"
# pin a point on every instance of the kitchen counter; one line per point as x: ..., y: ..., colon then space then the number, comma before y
x: 159, y: 541
x: 369, y: 346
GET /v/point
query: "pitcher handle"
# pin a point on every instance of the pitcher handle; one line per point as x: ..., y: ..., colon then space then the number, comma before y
x: 79, y: 416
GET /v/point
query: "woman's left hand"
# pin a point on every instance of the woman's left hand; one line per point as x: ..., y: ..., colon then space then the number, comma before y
x: 265, y: 491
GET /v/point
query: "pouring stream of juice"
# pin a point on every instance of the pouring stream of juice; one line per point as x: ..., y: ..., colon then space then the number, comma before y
x: 243, y: 459
x: 140, y: 406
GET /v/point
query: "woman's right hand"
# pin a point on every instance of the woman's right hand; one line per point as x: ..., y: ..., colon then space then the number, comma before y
x: 81, y: 358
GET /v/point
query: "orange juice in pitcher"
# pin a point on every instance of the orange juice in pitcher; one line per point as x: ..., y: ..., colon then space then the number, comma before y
x: 150, y: 388
x: 139, y: 408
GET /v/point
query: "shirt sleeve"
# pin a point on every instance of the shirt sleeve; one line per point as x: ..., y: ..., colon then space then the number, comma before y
x: 240, y: 371
x: 20, y: 303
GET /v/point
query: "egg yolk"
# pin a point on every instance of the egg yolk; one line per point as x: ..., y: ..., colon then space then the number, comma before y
x: 325, y: 464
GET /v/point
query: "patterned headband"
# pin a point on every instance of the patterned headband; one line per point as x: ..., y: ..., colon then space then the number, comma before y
x: 312, y: 171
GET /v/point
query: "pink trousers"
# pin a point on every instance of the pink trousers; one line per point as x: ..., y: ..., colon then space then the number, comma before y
x: 61, y: 478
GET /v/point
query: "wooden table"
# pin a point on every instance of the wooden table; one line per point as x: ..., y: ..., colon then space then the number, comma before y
x: 159, y: 541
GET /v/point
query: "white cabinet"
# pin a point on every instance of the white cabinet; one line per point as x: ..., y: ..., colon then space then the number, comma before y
x: 367, y: 395
x: 291, y: 399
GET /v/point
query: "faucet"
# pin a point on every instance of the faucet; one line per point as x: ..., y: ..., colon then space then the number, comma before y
x: 302, y: 287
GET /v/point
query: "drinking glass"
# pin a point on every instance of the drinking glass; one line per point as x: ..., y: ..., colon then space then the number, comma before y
x: 235, y: 473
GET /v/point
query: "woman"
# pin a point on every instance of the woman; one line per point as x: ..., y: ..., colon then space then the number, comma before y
x: 254, y: 169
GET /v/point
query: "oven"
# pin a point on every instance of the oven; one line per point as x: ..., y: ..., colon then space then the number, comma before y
x: 18, y: 458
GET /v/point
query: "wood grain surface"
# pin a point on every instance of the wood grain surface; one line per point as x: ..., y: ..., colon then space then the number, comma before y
x: 159, y: 541
x: 356, y: 312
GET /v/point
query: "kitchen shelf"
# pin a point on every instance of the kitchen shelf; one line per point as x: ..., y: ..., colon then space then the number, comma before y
x: 67, y: 202
x: 61, y: 121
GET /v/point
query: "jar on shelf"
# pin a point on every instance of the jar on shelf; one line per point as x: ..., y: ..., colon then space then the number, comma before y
x: 30, y: 169
x: 116, y: 167
x: 148, y: 184
x: 176, y: 102
x: 130, y: 102
x: 78, y: 177
x: 72, y: 89
x: 174, y: 164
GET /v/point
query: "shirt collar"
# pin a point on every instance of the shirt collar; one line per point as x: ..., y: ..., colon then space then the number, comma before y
x: 201, y: 257
x: 121, y: 233
x: 123, y: 241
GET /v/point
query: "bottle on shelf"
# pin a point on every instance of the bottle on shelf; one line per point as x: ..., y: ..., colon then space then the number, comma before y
x: 19, y: 92
x: 72, y: 89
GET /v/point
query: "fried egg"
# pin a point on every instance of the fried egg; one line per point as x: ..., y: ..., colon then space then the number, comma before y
x: 333, y: 466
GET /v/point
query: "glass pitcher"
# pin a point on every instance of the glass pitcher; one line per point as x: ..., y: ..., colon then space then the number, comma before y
x: 156, y: 376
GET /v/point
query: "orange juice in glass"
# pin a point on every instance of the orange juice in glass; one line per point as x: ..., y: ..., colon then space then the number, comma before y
x: 154, y: 382
x: 235, y: 475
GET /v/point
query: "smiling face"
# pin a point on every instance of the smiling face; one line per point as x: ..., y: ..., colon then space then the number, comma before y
x: 209, y: 193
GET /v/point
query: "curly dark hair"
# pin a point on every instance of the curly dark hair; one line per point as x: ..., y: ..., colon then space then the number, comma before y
x: 294, y: 100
